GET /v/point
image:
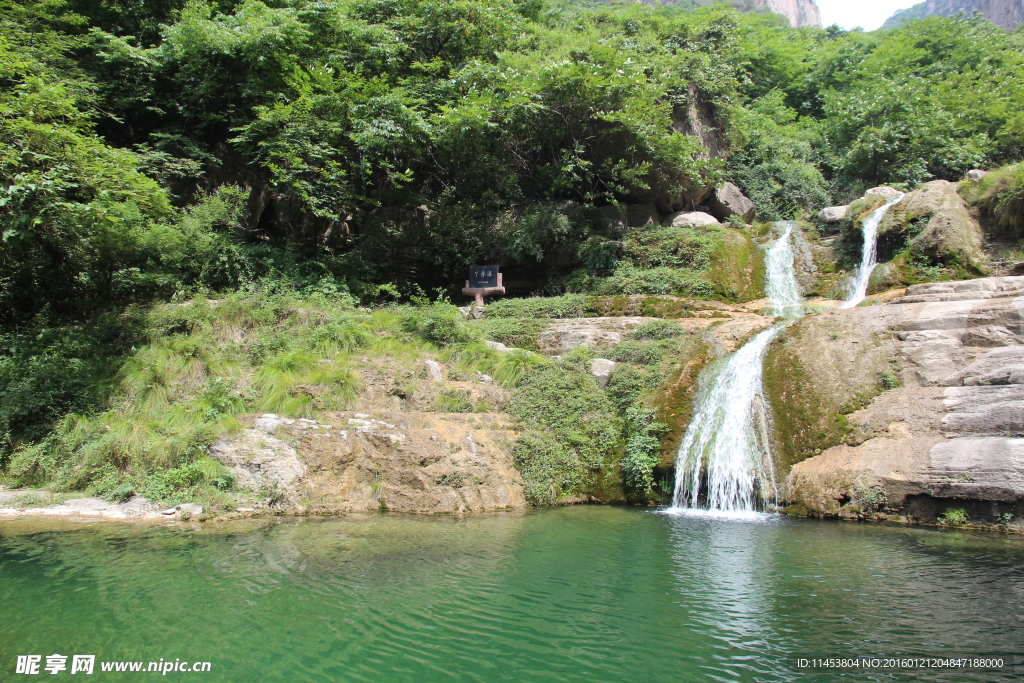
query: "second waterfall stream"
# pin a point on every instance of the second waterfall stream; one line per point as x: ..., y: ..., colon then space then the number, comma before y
x: 725, y: 462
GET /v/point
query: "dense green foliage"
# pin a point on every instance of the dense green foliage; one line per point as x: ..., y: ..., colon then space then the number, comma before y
x: 1000, y: 197
x: 572, y: 428
x: 364, y: 152
x: 149, y: 149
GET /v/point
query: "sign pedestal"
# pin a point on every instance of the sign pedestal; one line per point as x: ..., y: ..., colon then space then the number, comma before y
x: 479, y: 292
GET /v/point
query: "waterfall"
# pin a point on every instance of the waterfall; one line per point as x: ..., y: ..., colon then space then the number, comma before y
x: 726, y: 447
x: 869, y: 253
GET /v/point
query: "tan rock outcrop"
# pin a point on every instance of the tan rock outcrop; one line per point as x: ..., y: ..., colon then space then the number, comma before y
x: 595, y: 333
x: 408, y: 462
x: 833, y: 214
x: 950, y: 434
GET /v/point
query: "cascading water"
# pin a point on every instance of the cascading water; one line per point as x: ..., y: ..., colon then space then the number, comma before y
x: 869, y: 253
x: 726, y: 445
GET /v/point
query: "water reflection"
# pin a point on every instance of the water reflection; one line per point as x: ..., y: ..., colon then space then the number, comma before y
x: 571, y: 594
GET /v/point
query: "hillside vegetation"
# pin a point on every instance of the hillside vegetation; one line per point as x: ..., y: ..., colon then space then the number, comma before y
x: 362, y: 153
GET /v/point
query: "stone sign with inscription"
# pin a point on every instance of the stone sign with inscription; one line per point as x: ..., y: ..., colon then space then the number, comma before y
x: 483, y: 280
x: 483, y: 277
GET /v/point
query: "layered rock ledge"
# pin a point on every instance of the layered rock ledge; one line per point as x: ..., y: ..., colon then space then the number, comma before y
x: 928, y: 393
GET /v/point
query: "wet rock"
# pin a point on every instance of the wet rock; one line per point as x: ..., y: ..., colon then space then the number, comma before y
x: 136, y: 508
x: 734, y: 333
x: 976, y: 174
x: 950, y: 432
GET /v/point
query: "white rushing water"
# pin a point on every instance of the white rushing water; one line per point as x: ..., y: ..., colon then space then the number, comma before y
x: 726, y: 447
x: 869, y: 253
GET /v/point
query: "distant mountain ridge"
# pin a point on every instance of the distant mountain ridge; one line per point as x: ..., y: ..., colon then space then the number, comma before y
x: 799, y: 12
x: 1006, y: 13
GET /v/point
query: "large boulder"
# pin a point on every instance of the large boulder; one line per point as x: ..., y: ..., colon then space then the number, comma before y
x: 690, y: 219
x: 883, y: 191
x: 728, y: 200
x: 833, y: 214
x: 945, y: 230
x: 639, y: 215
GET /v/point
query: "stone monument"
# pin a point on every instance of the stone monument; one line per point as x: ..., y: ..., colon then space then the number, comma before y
x: 483, y: 281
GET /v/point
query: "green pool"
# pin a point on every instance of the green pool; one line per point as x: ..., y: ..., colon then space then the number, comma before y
x: 569, y: 594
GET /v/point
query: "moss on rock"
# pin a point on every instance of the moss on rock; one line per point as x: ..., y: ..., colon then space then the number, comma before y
x: 816, y: 373
x: 674, y: 398
x: 934, y: 228
x: 737, y: 268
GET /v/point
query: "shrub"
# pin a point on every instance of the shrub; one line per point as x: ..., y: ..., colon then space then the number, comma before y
x: 629, y: 279
x: 641, y: 352
x: 439, y: 324
x: 578, y: 421
x: 1000, y: 196
x: 690, y: 248
x: 658, y: 329
x: 453, y: 401
x: 643, y: 449
x: 567, y: 306
x: 954, y: 517
x: 625, y: 384
x: 517, y: 332
x: 550, y: 470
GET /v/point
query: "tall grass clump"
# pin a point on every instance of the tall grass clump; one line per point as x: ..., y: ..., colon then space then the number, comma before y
x: 1000, y: 197
x: 197, y: 365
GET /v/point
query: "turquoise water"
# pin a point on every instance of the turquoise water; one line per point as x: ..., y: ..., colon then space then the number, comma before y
x: 569, y: 594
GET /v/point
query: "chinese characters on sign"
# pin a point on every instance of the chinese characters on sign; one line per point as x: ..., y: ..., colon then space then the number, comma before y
x: 483, y: 277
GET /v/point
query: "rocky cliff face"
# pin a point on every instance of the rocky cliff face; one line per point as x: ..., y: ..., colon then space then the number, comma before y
x: 1006, y: 13
x: 799, y: 12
